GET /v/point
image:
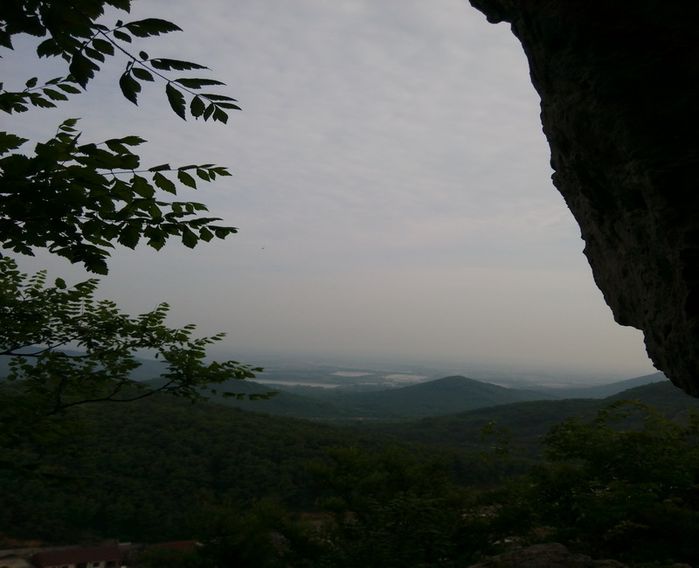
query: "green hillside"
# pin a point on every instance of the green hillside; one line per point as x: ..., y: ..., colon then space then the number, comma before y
x: 609, y: 389
x: 165, y: 469
x: 525, y: 423
x: 158, y: 469
x: 664, y: 396
x: 442, y: 396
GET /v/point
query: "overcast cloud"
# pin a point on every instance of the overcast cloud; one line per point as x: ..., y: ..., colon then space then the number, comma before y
x: 391, y: 184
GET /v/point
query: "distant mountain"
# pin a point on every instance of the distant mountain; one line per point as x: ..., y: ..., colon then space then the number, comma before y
x: 603, y: 391
x: 524, y: 423
x: 664, y: 396
x: 442, y: 396
x: 528, y: 422
x: 448, y: 395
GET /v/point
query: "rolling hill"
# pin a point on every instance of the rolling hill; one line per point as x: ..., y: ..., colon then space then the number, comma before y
x: 603, y: 391
x: 526, y: 423
x: 442, y: 396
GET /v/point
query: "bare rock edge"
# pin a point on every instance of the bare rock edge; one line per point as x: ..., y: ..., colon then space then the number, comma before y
x: 548, y: 555
x: 619, y: 88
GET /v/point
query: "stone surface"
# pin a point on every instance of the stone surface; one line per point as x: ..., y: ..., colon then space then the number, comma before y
x: 619, y: 88
x: 550, y: 555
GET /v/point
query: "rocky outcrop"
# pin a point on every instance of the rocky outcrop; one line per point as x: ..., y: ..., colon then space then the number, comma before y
x: 549, y: 555
x: 619, y: 87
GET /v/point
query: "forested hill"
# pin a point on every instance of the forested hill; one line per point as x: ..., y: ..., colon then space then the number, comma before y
x: 609, y: 389
x: 165, y: 469
x: 161, y: 469
x: 524, y: 424
x: 445, y: 396
x: 442, y: 396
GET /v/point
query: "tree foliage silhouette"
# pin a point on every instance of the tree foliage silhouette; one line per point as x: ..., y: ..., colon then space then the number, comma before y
x: 78, y: 199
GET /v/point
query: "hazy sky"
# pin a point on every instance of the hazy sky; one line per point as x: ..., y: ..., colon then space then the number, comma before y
x: 391, y: 184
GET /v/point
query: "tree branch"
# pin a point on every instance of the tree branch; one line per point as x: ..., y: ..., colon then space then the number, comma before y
x: 109, y: 399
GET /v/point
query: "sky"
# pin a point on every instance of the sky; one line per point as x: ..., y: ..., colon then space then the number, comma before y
x: 391, y: 184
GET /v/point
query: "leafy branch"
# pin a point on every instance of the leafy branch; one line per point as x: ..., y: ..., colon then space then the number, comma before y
x: 78, y: 200
x: 143, y: 68
x: 99, y: 42
x: 43, y: 96
x: 98, y: 205
x: 36, y: 319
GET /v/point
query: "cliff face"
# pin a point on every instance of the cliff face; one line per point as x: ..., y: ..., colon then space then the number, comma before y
x: 619, y: 88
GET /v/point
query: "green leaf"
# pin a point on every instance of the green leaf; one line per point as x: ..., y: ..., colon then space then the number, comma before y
x: 130, y: 235
x: 129, y: 87
x: 151, y: 27
x: 103, y: 45
x: 96, y: 265
x: 143, y: 55
x: 123, y: 36
x: 176, y: 100
x: 163, y: 183
x: 121, y: 5
x: 186, y: 179
x: 129, y: 161
x: 156, y: 242
x: 220, y: 115
x: 10, y: 142
x: 189, y: 239
x: 192, y: 83
x: 60, y: 284
x: 6, y: 39
x: 31, y: 83
x: 68, y: 124
x: 93, y: 54
x: 54, y: 95
x: 82, y: 69
x: 141, y: 73
x: 141, y: 186
x: 39, y: 101
x: 68, y: 88
x: 197, y: 107
x: 48, y: 48
x: 223, y: 232
x: 215, y: 97
x: 205, y: 235
x: 116, y: 146
x: 228, y: 105
x: 176, y: 64
x: 160, y: 168
x: 132, y: 140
